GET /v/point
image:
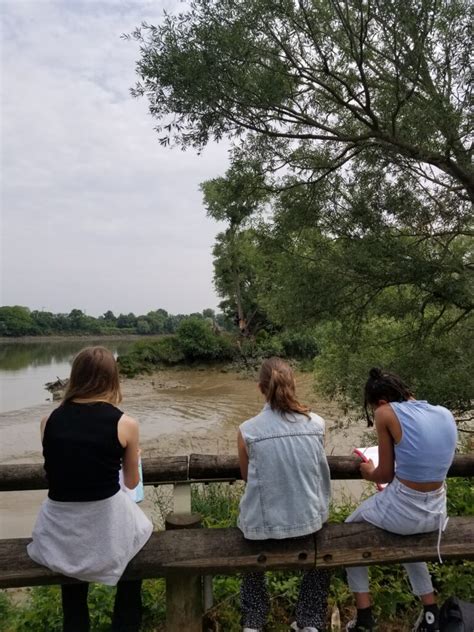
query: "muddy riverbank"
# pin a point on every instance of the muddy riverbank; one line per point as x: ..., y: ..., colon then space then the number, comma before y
x: 180, y: 411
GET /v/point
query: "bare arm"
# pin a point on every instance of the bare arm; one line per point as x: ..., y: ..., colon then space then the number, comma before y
x: 128, y: 435
x: 384, y: 473
x: 243, y: 456
x: 43, y: 426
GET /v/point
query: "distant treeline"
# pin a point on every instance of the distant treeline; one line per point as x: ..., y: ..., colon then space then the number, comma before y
x: 21, y: 321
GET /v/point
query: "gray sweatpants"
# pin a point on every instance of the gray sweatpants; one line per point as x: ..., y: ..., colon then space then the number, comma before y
x: 405, y: 511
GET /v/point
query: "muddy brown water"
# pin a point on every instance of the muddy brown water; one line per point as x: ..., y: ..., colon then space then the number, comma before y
x: 180, y: 411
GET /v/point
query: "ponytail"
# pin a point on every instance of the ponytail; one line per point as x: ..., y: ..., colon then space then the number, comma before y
x: 278, y: 385
x: 384, y: 385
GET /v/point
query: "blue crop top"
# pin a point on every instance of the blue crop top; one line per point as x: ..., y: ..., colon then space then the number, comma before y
x: 426, y: 449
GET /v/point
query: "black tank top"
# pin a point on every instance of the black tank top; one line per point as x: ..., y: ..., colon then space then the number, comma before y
x: 82, y: 453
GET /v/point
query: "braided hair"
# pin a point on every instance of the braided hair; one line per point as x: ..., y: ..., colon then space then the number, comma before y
x: 383, y: 385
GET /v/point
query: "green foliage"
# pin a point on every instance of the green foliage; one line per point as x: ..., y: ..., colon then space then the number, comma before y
x: 194, y: 341
x: 438, y: 367
x: 197, y: 340
x: 218, y: 504
x: 20, y: 321
x: 315, y: 78
x: 16, y: 321
x: 460, y: 496
x: 168, y: 350
x: 292, y: 345
x: 42, y: 609
x: 6, y: 612
x: 348, y: 200
x: 147, y: 355
x: 299, y: 344
x: 262, y: 346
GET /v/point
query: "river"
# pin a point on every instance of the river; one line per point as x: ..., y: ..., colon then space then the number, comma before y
x: 180, y: 411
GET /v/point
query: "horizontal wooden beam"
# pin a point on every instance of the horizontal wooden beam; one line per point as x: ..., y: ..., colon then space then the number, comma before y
x: 225, y: 551
x: 213, y: 466
x: 18, y: 477
x: 197, y: 467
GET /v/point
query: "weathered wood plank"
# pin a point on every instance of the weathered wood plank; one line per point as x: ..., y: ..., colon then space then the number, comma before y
x: 224, y: 551
x: 17, y: 477
x: 214, y: 466
x: 184, y: 607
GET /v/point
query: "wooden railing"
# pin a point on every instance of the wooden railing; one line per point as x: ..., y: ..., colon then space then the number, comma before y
x: 186, y: 554
x: 226, y: 552
x: 197, y: 468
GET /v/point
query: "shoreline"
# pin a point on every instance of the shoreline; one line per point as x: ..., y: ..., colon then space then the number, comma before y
x: 76, y: 337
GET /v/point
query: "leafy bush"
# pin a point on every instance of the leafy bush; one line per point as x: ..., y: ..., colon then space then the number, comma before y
x: 437, y: 368
x: 197, y: 340
x: 194, y: 341
x: 460, y: 496
x: 6, y: 611
x: 300, y: 345
x: 262, y: 346
x: 167, y: 350
x: 42, y: 611
x: 228, y: 349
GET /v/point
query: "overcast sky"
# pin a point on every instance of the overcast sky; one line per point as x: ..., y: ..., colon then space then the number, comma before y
x: 95, y: 214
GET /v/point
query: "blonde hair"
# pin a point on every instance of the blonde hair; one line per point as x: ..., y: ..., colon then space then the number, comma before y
x: 94, y: 376
x: 277, y: 383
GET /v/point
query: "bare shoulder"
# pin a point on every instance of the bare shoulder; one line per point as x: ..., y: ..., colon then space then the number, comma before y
x: 386, y: 421
x: 44, y: 421
x: 127, y: 430
x: 384, y: 416
x: 128, y: 422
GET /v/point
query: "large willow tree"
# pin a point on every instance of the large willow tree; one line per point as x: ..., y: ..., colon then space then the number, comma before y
x: 358, y: 115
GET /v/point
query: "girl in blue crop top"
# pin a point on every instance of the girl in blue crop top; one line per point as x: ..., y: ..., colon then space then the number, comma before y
x: 417, y: 442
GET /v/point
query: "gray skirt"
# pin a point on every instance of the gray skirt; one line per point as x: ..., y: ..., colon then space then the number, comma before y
x: 90, y: 541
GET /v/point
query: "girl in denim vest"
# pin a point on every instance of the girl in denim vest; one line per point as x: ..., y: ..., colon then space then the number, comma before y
x: 282, y: 458
x: 416, y: 447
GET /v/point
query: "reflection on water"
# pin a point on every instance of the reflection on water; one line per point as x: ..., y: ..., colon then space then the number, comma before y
x: 26, y: 367
x: 20, y: 355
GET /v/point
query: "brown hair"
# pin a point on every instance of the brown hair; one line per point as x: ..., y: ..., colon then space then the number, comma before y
x: 277, y: 383
x: 94, y: 376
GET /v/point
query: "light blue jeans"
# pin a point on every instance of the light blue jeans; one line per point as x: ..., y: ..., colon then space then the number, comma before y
x: 404, y: 511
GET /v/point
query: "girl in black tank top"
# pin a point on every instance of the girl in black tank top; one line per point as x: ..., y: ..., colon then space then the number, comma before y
x: 88, y: 528
x: 82, y: 452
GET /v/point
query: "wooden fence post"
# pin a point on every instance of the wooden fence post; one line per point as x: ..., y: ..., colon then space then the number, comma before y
x: 182, y: 498
x: 183, y: 591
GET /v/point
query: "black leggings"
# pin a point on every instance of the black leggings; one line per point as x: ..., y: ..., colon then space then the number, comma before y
x: 311, y: 608
x: 127, y: 609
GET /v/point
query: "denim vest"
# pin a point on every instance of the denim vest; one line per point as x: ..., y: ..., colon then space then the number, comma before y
x: 288, y: 483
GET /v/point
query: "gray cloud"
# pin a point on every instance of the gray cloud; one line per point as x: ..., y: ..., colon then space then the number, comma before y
x: 95, y: 213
